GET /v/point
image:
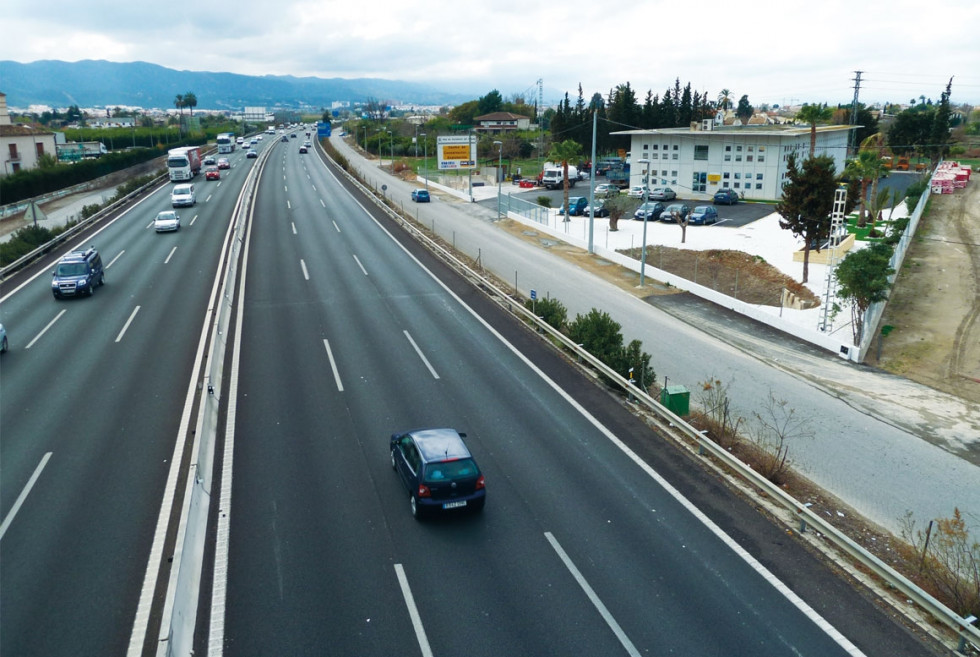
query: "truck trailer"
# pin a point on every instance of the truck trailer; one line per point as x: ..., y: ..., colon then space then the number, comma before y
x: 183, y: 163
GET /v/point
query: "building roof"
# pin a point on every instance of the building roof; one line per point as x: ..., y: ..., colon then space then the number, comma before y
x: 21, y: 130
x: 732, y: 131
x: 500, y: 116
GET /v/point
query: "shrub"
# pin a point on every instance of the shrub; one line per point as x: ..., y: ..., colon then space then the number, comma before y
x: 552, y: 311
x: 544, y: 201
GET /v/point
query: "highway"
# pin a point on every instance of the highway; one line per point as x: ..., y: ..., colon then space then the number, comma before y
x: 91, y: 397
x: 598, y: 537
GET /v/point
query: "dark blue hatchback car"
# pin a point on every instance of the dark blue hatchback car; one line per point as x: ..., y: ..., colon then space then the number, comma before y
x: 438, y: 470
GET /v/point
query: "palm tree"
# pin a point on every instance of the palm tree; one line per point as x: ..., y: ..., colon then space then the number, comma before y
x: 190, y: 100
x: 876, y: 144
x: 813, y: 114
x: 179, y: 103
x: 867, y: 166
x: 724, y: 99
x: 563, y: 152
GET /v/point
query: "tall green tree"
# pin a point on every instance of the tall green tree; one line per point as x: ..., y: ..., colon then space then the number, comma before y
x: 744, y: 110
x: 862, y: 278
x: 492, y: 102
x: 865, y: 168
x: 724, y: 99
x: 190, y: 101
x: 808, y: 198
x: 910, y: 131
x: 814, y: 114
x: 939, y: 136
x: 564, y: 152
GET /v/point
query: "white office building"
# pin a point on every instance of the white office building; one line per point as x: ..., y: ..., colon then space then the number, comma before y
x: 698, y: 161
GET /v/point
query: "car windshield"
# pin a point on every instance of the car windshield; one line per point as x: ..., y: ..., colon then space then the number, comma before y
x: 448, y: 470
x: 166, y: 216
x: 702, y: 209
x: 72, y: 269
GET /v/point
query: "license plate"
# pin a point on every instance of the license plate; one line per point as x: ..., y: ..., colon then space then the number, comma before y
x: 454, y: 505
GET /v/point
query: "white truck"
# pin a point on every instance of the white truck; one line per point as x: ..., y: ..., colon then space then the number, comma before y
x: 553, y: 175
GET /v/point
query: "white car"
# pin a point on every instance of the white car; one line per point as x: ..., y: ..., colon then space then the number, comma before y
x: 637, y: 191
x: 183, y: 195
x: 166, y: 221
x: 662, y: 194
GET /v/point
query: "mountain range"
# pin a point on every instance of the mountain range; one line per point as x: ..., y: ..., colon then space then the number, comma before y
x: 99, y: 83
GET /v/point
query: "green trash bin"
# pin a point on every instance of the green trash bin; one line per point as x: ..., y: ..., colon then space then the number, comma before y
x: 677, y: 399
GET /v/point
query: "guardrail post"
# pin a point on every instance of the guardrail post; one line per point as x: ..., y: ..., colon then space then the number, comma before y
x: 966, y: 621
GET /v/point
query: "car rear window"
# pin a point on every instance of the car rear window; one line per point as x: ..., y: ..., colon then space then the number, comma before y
x: 447, y: 470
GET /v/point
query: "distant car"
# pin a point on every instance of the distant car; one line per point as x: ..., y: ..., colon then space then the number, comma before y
x: 223, y: 163
x: 3, y: 339
x: 302, y: 149
x: 251, y: 153
x: 258, y: 137
x: 438, y: 470
x: 600, y: 209
x: 212, y: 173
x: 208, y: 160
x: 254, y: 141
x: 166, y: 221
x: 703, y: 214
x: 420, y: 196
x: 183, y: 196
x: 662, y: 194
x: 576, y: 206
x: 292, y: 135
x: 606, y: 190
x: 284, y: 138
x: 675, y: 211
x: 637, y: 191
x: 725, y: 197
x: 651, y: 211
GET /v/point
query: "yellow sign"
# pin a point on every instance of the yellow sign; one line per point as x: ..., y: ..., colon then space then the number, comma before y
x: 714, y: 177
x: 455, y: 152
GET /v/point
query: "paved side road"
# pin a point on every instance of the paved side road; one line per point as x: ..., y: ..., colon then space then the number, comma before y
x: 882, y: 444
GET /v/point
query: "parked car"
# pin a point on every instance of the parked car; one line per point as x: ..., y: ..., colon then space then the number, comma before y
x: 662, y: 194
x: 651, y: 211
x: 77, y: 273
x: 576, y: 206
x: 438, y: 470
x: 725, y: 197
x: 703, y: 214
x: 166, y: 221
x: 600, y: 209
x: 251, y: 154
x: 420, y: 195
x: 606, y: 190
x: 208, y: 160
x: 212, y: 173
x: 638, y: 191
x: 675, y: 211
x: 223, y: 163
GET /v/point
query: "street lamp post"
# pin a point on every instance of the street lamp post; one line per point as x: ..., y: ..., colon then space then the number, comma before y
x: 425, y: 151
x: 500, y: 164
x: 392, y: 136
x: 646, y: 213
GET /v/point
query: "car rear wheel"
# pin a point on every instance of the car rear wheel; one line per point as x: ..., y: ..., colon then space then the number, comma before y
x: 416, y: 509
x: 393, y: 466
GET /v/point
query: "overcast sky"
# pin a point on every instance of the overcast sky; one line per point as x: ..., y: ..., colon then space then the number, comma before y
x: 775, y: 52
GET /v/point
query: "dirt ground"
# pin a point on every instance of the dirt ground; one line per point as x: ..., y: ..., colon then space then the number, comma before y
x: 935, y: 305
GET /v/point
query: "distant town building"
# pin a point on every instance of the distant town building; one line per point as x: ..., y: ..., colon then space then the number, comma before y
x: 22, y: 146
x: 498, y: 122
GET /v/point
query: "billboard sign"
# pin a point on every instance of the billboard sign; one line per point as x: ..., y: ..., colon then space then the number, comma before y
x: 456, y: 152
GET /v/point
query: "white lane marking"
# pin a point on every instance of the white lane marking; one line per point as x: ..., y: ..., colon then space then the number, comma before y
x: 285, y: 188
x: 23, y: 494
x: 363, y: 270
x: 208, y: 198
x: 216, y: 186
x: 603, y: 611
x: 336, y: 226
x: 413, y: 611
x: 314, y: 186
x: 169, y: 256
x: 322, y: 203
x: 128, y: 322
x: 288, y: 206
x: 45, y: 329
x: 293, y: 224
x: 753, y: 563
x: 425, y: 360
x: 306, y: 274
x: 193, y: 219
x: 150, y: 225
x: 333, y: 366
x: 116, y: 258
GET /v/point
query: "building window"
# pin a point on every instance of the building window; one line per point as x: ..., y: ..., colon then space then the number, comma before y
x: 673, y: 156
x: 758, y: 185
x: 758, y: 176
x: 738, y: 176
x: 738, y: 157
x: 656, y: 147
x: 664, y: 173
x: 39, y: 149
x: 724, y: 185
x: 675, y: 147
x: 699, y: 182
x: 728, y: 149
x: 13, y: 151
x: 762, y: 158
x: 738, y: 149
x: 762, y: 149
x: 701, y: 152
x: 748, y: 158
x: 751, y: 148
x: 728, y: 157
x: 737, y: 185
x: 726, y: 175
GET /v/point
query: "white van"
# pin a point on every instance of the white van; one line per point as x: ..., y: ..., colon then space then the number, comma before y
x: 183, y: 195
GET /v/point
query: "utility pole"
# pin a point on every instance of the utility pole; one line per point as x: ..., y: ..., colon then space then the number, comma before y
x: 852, y: 134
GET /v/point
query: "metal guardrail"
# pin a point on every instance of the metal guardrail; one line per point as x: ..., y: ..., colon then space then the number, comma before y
x: 962, y: 626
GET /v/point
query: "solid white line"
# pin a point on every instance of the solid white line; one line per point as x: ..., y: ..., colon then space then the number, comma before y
x: 603, y: 611
x: 116, y: 258
x: 333, y: 366
x: 169, y: 256
x: 293, y: 224
x: 193, y: 219
x: 306, y: 274
x: 421, y: 355
x: 336, y: 226
x: 45, y: 329
x: 360, y: 265
x: 128, y: 322
x: 23, y: 495
x: 413, y: 611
